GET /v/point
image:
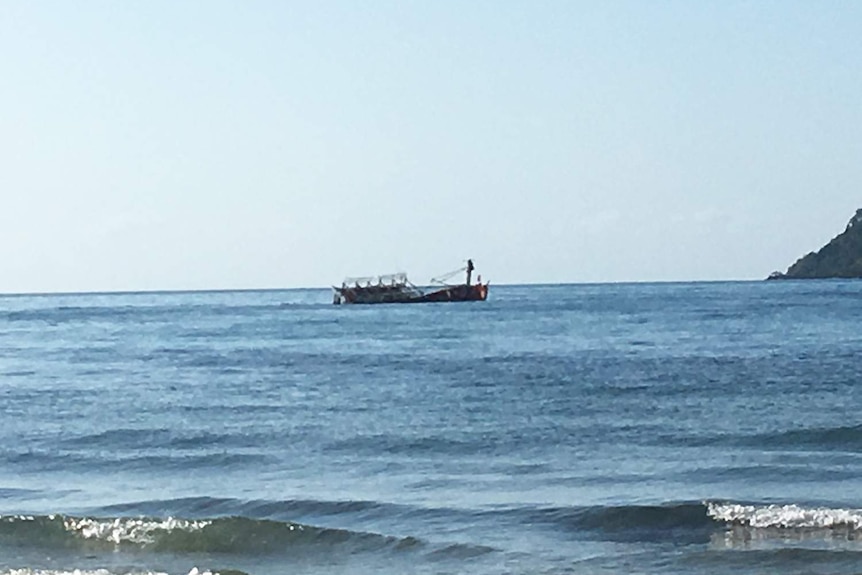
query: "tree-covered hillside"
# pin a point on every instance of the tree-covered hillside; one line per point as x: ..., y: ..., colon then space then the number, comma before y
x: 840, y: 258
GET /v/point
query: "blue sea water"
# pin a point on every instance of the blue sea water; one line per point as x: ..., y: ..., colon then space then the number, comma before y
x: 628, y: 428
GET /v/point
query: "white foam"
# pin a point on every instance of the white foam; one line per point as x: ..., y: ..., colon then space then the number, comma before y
x: 785, y: 516
x: 26, y: 571
x: 194, y: 571
x: 15, y: 518
x: 125, y: 530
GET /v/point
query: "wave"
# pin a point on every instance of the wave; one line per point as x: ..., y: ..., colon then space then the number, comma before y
x: 44, y: 460
x: 255, y: 508
x: 396, y: 445
x: 700, y: 522
x: 129, y: 438
x: 830, y: 438
x: 788, y: 517
x: 838, y: 438
x: 30, y: 571
x: 267, y: 527
x: 16, y: 493
x: 686, y: 522
x: 227, y: 535
x: 770, y: 473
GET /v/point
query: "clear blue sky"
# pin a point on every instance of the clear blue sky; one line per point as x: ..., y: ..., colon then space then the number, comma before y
x: 203, y: 144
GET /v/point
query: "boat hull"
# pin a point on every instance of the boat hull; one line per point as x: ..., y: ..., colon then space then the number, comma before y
x: 396, y: 288
x: 477, y: 292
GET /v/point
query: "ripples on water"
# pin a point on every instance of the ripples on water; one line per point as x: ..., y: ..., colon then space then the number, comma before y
x: 654, y: 428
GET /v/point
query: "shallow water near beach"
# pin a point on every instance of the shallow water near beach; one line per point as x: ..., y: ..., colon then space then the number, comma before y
x: 628, y: 428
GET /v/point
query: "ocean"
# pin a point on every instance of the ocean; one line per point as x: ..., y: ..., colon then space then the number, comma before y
x: 666, y: 428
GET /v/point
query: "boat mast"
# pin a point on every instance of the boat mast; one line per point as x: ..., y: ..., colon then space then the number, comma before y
x: 469, y: 270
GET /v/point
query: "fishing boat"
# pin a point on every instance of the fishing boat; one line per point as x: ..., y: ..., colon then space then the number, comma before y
x: 396, y: 288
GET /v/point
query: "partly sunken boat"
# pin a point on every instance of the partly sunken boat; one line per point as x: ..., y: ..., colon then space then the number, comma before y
x: 396, y: 288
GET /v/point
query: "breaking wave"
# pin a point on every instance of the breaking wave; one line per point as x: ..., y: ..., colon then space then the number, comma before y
x: 29, y: 571
x: 786, y: 516
x: 234, y: 535
x: 698, y: 522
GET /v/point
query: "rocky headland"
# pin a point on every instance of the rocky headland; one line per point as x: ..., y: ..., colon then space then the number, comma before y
x: 840, y: 258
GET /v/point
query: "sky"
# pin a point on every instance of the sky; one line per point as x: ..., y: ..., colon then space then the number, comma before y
x: 161, y: 145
